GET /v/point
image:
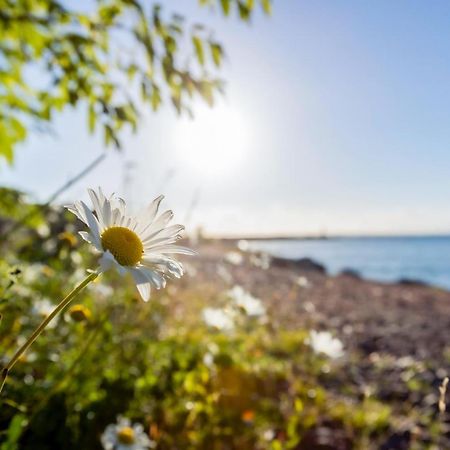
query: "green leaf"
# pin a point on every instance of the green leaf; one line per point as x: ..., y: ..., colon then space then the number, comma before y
x: 244, y: 11
x: 14, y: 432
x: 198, y: 45
x: 91, y: 117
x: 155, y: 97
x: 250, y: 4
x: 206, y: 92
x: 121, y: 113
x: 108, y: 136
x: 266, y: 6
x: 131, y: 71
x: 216, y: 53
x: 225, y: 6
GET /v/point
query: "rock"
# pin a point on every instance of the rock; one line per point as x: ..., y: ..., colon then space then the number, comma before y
x: 412, y: 282
x: 351, y: 273
x: 398, y: 441
x: 304, y: 264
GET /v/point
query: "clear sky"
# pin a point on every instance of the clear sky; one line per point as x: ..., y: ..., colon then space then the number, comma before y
x: 336, y: 120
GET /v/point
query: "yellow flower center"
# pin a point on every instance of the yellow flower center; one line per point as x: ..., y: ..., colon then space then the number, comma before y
x: 125, y: 435
x: 124, y: 244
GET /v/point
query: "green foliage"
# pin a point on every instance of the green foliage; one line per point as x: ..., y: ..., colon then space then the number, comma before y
x: 118, y: 55
x: 14, y: 432
x: 244, y: 8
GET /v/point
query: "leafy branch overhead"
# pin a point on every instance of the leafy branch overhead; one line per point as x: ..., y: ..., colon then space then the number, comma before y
x: 118, y: 55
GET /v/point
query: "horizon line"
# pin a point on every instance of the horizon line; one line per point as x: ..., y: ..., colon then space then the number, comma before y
x: 275, y: 236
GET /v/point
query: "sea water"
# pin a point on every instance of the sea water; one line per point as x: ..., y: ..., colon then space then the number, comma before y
x: 388, y: 259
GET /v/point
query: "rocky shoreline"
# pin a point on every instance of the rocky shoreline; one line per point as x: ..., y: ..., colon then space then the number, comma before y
x: 407, y: 318
x: 396, y: 337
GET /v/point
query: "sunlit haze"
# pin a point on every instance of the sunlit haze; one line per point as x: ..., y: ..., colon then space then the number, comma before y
x: 335, y: 121
x: 215, y: 141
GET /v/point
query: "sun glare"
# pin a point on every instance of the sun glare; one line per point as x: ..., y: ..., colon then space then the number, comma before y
x: 215, y: 142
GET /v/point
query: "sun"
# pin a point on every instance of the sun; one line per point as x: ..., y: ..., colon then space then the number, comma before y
x: 215, y: 142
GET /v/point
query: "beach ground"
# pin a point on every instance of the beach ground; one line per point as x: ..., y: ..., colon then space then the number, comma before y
x: 402, y: 319
x: 396, y: 337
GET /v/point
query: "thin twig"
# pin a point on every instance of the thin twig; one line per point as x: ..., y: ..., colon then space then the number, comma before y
x: 19, y: 224
x: 442, y: 392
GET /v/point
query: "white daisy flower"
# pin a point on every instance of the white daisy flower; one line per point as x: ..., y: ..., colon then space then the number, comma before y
x: 141, y: 245
x: 218, y: 318
x: 43, y: 308
x: 125, y: 436
x: 234, y: 258
x: 324, y: 342
x: 243, y: 299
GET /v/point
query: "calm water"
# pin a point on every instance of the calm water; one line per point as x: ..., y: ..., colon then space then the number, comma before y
x: 377, y: 258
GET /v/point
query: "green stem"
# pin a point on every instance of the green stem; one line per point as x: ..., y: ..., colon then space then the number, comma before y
x: 91, y: 277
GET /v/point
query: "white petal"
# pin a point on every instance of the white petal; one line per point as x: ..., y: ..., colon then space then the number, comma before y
x: 158, y: 242
x: 98, y: 207
x: 73, y: 209
x: 147, y: 216
x: 121, y: 269
x: 119, y: 203
x: 158, y: 224
x: 78, y: 210
x: 93, y: 225
x: 107, y: 213
x: 106, y: 261
x: 116, y: 217
x: 156, y: 259
x: 173, y: 230
x: 133, y: 223
x: 115, y: 209
x: 142, y: 283
x: 108, y: 206
x: 154, y: 277
x: 101, y: 195
x: 173, y: 249
x: 167, y: 265
x: 88, y: 238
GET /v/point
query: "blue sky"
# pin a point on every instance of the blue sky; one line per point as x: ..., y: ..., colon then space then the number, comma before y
x: 337, y: 120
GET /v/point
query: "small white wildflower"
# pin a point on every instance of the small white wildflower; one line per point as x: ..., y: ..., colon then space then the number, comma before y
x: 43, y: 230
x: 208, y: 359
x: 243, y: 299
x: 269, y: 435
x: 76, y: 258
x: 44, y: 308
x: 261, y: 260
x: 243, y: 245
x: 234, y: 258
x: 324, y: 342
x: 141, y: 245
x: 32, y: 273
x: 125, y: 436
x: 303, y: 282
x: 218, y: 318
